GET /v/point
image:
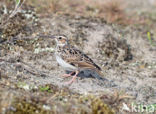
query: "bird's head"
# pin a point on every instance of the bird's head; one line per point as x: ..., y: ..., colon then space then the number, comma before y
x: 61, y: 40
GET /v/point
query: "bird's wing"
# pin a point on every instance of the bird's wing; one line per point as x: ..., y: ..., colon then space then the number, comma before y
x: 77, y: 58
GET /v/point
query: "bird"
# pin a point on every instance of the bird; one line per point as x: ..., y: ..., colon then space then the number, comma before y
x: 72, y: 59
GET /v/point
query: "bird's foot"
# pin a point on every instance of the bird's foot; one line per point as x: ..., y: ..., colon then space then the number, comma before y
x: 66, y: 75
x: 71, y: 81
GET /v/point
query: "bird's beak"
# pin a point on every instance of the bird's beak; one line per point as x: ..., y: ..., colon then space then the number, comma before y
x: 48, y: 36
x: 52, y: 36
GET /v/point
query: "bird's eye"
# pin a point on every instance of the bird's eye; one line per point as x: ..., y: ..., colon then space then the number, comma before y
x: 60, y: 38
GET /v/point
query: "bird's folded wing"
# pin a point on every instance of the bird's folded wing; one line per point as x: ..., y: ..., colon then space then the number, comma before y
x: 77, y: 58
x: 82, y: 64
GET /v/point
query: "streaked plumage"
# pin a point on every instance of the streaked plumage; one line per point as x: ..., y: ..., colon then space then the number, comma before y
x: 72, y: 59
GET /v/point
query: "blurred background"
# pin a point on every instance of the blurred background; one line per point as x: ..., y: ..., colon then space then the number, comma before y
x: 120, y: 11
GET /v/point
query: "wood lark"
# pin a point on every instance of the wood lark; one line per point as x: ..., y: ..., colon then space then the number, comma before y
x: 72, y: 59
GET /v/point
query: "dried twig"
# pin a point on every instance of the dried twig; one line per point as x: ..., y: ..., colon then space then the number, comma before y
x: 17, y: 7
x: 13, y: 13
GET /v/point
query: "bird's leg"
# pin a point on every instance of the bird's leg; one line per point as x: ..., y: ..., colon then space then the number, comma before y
x: 73, y: 79
x: 68, y: 75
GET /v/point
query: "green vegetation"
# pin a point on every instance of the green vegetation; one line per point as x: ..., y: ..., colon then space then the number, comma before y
x: 150, y: 39
x: 46, y: 88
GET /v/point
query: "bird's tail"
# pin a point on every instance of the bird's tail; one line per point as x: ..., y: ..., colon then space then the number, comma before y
x: 97, y: 74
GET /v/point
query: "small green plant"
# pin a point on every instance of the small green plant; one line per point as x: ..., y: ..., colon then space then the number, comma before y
x: 150, y: 39
x: 17, y: 2
x: 46, y: 88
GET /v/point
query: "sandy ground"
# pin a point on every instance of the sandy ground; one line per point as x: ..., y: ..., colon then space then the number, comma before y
x: 136, y: 77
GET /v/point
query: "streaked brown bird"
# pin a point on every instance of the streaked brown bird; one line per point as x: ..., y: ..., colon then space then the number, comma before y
x: 72, y: 59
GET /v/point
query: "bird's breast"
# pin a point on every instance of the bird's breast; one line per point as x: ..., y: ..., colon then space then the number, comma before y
x: 64, y: 64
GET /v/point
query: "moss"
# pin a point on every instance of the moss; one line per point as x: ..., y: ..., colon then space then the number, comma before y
x: 96, y: 104
x: 23, y: 107
x: 58, y: 101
